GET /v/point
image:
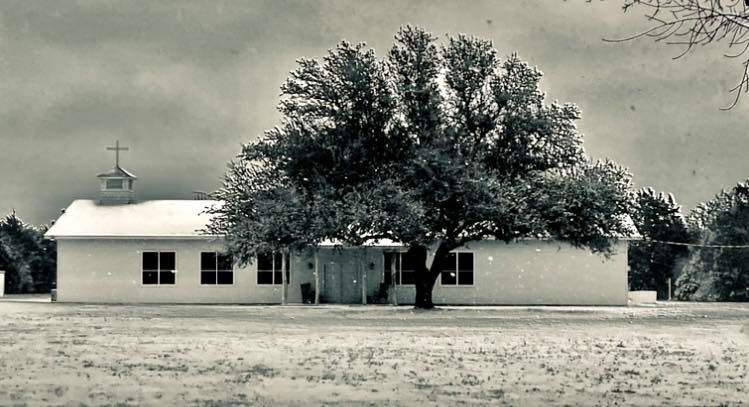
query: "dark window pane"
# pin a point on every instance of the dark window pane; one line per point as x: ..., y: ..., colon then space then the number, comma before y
x: 408, y: 261
x: 150, y: 277
x: 386, y: 268
x: 465, y: 277
x: 277, y: 277
x: 265, y: 277
x: 448, y: 263
x: 130, y: 184
x: 114, y: 184
x: 448, y: 278
x: 288, y: 276
x: 225, y: 277
x: 167, y: 261
x: 208, y: 277
x: 386, y: 261
x: 265, y: 261
x: 208, y: 261
x: 166, y: 277
x: 150, y: 261
x: 288, y: 264
x: 225, y: 262
x: 465, y: 261
x: 408, y: 277
x: 277, y: 261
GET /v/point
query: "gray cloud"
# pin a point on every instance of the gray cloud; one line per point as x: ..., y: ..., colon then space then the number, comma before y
x: 184, y: 83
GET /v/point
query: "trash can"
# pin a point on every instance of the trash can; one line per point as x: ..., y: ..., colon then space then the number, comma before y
x: 2, y: 283
x: 308, y: 294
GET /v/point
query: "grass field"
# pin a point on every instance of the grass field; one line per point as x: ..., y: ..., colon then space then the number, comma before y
x: 669, y: 354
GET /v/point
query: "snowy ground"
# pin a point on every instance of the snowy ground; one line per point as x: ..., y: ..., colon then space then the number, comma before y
x: 669, y: 354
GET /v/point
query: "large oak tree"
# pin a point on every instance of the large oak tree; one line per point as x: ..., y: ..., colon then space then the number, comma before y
x: 436, y: 145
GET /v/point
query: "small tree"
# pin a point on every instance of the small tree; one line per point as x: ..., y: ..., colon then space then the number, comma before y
x: 651, y: 264
x: 434, y: 147
x: 28, y: 259
x: 716, y: 273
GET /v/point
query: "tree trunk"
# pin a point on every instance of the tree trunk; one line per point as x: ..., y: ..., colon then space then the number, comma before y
x: 426, y: 277
x: 424, y: 289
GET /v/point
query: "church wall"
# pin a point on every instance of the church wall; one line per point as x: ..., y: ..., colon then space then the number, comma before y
x: 109, y: 271
x: 526, y: 272
x: 522, y: 273
x: 535, y: 272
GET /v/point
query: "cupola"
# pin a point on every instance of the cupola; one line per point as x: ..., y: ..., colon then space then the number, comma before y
x: 116, y: 185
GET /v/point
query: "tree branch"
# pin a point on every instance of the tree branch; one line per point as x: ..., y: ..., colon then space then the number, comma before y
x: 690, y: 23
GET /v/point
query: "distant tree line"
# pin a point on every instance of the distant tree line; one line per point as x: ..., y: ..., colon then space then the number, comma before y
x: 715, y: 264
x: 28, y: 259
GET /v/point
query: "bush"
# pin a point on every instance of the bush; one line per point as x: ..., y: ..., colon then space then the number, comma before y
x: 28, y: 259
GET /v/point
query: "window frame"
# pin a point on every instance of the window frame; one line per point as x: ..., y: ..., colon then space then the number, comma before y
x: 398, y: 277
x: 120, y: 180
x: 158, y: 269
x: 215, y: 271
x: 273, y: 270
x: 457, y: 270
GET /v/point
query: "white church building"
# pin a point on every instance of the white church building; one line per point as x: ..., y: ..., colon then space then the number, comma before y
x: 116, y: 249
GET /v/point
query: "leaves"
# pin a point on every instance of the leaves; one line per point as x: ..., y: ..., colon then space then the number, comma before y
x: 657, y: 217
x: 28, y: 259
x: 435, y: 143
x: 717, y: 274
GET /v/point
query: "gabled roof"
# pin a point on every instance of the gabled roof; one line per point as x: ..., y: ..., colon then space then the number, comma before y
x: 117, y: 172
x: 178, y: 219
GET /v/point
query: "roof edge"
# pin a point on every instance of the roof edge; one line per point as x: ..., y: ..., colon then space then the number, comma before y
x: 133, y: 237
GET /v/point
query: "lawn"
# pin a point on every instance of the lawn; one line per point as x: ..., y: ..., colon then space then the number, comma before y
x: 669, y: 354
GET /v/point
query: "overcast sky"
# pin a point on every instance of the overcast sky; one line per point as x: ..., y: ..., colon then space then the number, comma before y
x: 184, y: 84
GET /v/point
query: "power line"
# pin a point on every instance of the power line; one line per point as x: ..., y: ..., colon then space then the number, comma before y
x: 711, y: 246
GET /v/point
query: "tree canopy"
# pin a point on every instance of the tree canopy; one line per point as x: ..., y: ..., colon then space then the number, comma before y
x: 716, y: 273
x: 436, y: 145
x: 27, y: 258
x: 657, y: 217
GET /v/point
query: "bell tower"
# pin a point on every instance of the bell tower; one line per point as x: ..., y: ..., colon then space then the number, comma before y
x: 116, y: 185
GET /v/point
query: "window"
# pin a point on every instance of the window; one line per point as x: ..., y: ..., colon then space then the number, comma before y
x: 216, y: 269
x: 130, y: 184
x: 114, y: 184
x: 457, y: 269
x: 405, y: 268
x: 159, y: 268
x: 269, y: 268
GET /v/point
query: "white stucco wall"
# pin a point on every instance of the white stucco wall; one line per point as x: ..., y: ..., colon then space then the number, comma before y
x: 526, y: 272
x: 537, y: 272
x: 522, y: 273
x: 109, y: 271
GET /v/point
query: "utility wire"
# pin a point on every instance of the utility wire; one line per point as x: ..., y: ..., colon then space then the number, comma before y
x: 712, y: 246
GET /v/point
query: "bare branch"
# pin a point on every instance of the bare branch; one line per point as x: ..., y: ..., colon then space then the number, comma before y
x: 692, y: 23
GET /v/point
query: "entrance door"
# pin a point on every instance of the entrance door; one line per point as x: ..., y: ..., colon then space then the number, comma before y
x: 342, y: 283
x: 332, y: 284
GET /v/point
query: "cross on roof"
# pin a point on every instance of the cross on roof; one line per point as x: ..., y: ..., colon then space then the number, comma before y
x: 117, y: 150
